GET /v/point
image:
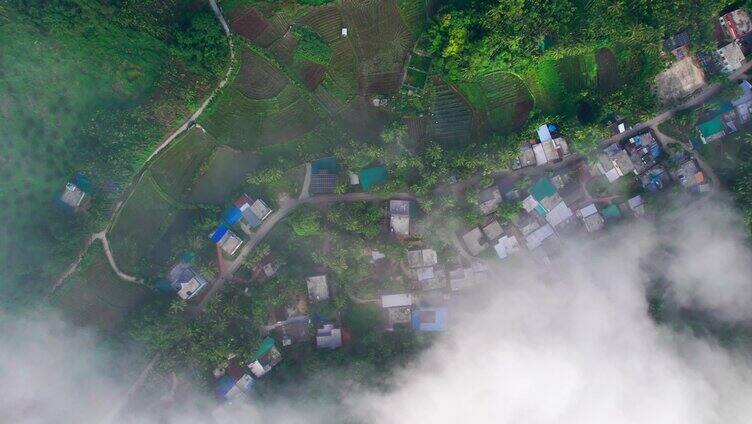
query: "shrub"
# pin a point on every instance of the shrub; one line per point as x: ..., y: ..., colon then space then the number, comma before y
x: 310, y: 46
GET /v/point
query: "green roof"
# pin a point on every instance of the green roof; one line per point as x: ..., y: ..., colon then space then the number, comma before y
x: 711, y: 127
x: 328, y: 164
x: 611, y: 212
x: 370, y: 177
x: 266, y: 345
x: 542, y: 189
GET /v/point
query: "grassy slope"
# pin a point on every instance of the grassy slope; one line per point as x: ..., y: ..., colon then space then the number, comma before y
x: 86, y: 94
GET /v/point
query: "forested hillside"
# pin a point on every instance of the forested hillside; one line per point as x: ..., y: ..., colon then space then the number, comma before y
x: 89, y: 88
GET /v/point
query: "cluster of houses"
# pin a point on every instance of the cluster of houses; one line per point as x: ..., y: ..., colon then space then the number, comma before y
x: 549, y: 148
x: 325, y: 172
x: 245, y: 214
x: 688, y: 73
x: 726, y: 117
x: 293, y: 327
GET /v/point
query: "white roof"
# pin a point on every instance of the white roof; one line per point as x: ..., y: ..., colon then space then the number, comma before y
x: 549, y: 148
x: 424, y: 273
x: 612, y: 175
x: 543, y: 133
x: 188, y: 289
x: 635, y: 202
x: 257, y: 369
x: 535, y: 238
x: 588, y: 210
x: 394, y: 300
x: 558, y: 214
x: 529, y: 203
x: 622, y: 127
x: 506, y: 246
x: 540, y: 154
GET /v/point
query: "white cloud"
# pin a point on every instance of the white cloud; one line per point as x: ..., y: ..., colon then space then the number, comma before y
x: 570, y: 344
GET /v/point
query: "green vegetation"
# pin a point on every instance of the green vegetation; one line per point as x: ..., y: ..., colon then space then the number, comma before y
x: 176, y: 168
x: 91, y: 87
x: 310, y: 46
x: 94, y: 296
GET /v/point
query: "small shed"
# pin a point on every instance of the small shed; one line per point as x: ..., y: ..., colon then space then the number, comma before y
x: 429, y: 319
x: 373, y: 176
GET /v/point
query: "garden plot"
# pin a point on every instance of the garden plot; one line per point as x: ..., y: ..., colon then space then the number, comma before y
x: 283, y: 48
x: 341, y: 79
x: 608, y: 71
x: 225, y: 172
x: 140, y: 223
x: 312, y: 74
x: 248, y: 124
x: 503, y: 97
x: 326, y: 21
x: 451, y: 119
x: 382, y: 42
x: 250, y: 24
x: 95, y: 296
x: 556, y: 85
x: 175, y: 168
x: 259, y: 79
x: 413, y: 13
x: 326, y: 100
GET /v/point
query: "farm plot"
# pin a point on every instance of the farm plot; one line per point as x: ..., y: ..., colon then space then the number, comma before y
x: 95, y: 296
x: 342, y: 78
x: 608, y: 71
x: 225, y: 172
x: 413, y: 13
x: 382, y: 42
x: 556, y: 85
x: 248, y: 124
x: 259, y: 79
x: 283, y: 48
x: 175, y: 168
x: 326, y: 21
x: 503, y: 97
x: 451, y: 119
x: 250, y: 24
x: 141, y: 222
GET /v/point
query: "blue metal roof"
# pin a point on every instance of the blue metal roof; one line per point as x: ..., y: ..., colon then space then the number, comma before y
x: 219, y: 233
x: 429, y: 319
x: 224, y: 385
x: 232, y: 215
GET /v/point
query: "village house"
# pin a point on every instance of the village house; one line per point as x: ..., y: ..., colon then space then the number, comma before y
x: 717, y: 123
x: 464, y: 277
x: 186, y: 281
x: 536, y: 238
x: 643, y: 151
x: 318, y: 289
x: 637, y: 205
x: 688, y: 174
x: 527, y: 222
x: 736, y: 24
x: 331, y: 337
x: 292, y: 330
x: 654, y: 179
x: 422, y: 265
x: 506, y: 245
x: 400, y: 212
x: 74, y: 198
x: 591, y: 218
x: 731, y: 57
x: 396, y: 309
x: 266, y: 357
x: 526, y: 157
x: 266, y: 268
x: 489, y: 200
x: 678, y: 44
x: 324, y: 174
x: 492, y: 230
x: 429, y: 319
x: 228, y: 241
x: 743, y: 104
x: 546, y: 201
x: 474, y: 242
x: 252, y: 212
x: 614, y: 163
x: 233, y: 381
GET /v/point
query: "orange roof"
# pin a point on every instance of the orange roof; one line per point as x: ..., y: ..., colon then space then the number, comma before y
x: 699, y: 177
